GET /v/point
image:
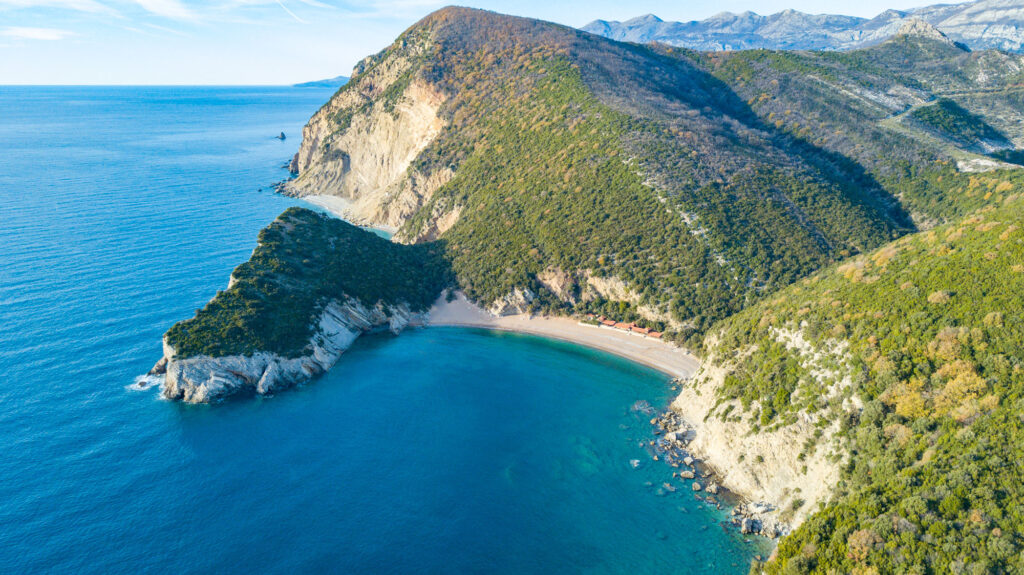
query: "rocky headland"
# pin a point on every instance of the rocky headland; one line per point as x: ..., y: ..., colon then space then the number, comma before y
x: 312, y: 285
x: 203, y: 379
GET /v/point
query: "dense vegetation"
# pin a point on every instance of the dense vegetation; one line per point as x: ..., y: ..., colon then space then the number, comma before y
x: 584, y: 155
x: 927, y: 333
x: 957, y: 124
x: 302, y: 261
x: 848, y: 104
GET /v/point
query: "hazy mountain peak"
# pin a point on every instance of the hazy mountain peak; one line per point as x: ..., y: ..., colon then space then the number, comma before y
x: 982, y: 24
x: 645, y: 19
x: 918, y: 27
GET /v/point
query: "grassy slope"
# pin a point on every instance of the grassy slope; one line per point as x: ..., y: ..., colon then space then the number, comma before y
x: 303, y: 260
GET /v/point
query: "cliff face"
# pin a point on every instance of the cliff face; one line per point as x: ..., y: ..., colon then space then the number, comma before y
x: 204, y: 379
x: 361, y: 145
x: 760, y: 465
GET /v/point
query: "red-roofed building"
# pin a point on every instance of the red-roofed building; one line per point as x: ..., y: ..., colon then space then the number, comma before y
x: 654, y: 334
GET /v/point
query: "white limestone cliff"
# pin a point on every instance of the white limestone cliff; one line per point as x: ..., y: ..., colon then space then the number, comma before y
x: 204, y: 379
x: 362, y: 144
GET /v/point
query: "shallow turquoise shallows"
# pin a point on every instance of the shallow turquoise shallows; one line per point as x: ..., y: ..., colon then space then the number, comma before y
x: 444, y: 450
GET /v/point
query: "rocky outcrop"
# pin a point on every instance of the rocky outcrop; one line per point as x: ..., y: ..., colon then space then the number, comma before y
x: 562, y: 284
x: 765, y: 465
x: 204, y: 379
x: 441, y: 219
x: 610, y: 288
x: 362, y: 144
x: 515, y: 302
x: 979, y: 165
x: 921, y: 29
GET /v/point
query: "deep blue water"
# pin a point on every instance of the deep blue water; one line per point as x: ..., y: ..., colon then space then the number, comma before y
x: 445, y: 450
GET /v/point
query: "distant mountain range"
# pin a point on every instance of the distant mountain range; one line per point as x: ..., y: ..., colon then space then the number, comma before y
x: 982, y: 24
x: 335, y: 82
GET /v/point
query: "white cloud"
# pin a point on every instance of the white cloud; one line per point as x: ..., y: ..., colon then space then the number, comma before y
x: 172, y: 9
x: 290, y: 13
x: 27, y: 33
x: 392, y: 9
x: 79, y: 5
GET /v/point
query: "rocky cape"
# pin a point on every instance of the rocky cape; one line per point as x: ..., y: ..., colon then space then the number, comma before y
x: 204, y: 379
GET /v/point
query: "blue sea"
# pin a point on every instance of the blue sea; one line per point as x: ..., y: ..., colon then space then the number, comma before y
x: 442, y: 450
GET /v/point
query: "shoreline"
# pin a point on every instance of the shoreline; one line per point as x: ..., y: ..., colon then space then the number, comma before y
x: 682, y: 427
x: 341, y: 208
x: 656, y: 354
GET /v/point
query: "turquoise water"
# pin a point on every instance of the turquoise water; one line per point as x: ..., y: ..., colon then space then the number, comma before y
x: 438, y: 451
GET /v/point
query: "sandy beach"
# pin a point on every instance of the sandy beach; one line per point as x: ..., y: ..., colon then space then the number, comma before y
x: 660, y: 355
x: 341, y: 208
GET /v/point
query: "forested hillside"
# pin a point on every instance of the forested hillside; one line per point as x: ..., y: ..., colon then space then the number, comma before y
x: 579, y: 156
x: 701, y: 181
x: 302, y: 262
x: 922, y: 341
x: 880, y: 109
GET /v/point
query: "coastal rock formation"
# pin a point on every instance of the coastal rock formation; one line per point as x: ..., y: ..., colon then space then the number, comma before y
x: 610, y: 288
x: 204, y: 379
x: 515, y: 302
x: 361, y: 144
x: 766, y: 465
x: 442, y: 216
x: 562, y: 284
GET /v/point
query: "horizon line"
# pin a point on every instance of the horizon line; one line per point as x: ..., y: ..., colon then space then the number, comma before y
x: 183, y: 85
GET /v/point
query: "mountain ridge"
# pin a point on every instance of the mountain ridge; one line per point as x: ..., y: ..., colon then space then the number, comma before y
x: 983, y: 24
x: 335, y: 82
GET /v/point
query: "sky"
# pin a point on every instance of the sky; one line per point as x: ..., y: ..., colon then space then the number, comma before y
x: 277, y: 41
